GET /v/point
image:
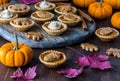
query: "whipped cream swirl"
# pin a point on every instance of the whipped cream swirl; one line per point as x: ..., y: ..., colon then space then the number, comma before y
x: 44, y: 4
x: 54, y: 25
x: 6, y: 14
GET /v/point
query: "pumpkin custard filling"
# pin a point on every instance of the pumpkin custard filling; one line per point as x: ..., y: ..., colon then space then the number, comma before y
x: 20, y: 9
x: 65, y: 9
x: 54, y: 27
x: 42, y: 16
x: 52, y: 58
x: 69, y: 19
x: 6, y: 16
x: 44, y: 5
x: 22, y: 24
x: 107, y: 33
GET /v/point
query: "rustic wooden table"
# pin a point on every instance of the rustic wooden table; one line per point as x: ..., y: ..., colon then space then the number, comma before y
x: 46, y: 74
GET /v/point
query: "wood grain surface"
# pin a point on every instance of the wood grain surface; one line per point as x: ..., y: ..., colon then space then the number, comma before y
x: 46, y: 74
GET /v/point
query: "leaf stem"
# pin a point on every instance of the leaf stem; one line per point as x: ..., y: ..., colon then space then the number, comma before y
x: 74, y: 50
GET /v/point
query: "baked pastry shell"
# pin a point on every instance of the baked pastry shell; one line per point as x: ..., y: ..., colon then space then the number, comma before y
x: 7, y: 21
x: 69, y: 23
x: 23, y: 12
x: 41, y: 20
x: 107, y: 37
x: 74, y: 10
x: 54, y: 32
x: 22, y: 28
x: 54, y: 64
x: 46, y: 9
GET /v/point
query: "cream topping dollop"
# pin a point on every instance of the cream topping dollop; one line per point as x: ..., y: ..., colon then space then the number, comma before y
x: 45, y: 4
x: 54, y: 25
x: 6, y: 14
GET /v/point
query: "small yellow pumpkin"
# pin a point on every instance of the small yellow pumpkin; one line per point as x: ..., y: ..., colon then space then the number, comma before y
x: 3, y: 1
x: 83, y: 3
x: 114, y: 3
x: 100, y: 10
x: 15, y: 55
x: 115, y: 20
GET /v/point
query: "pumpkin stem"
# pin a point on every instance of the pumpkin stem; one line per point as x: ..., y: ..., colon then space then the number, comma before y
x: 101, y: 2
x: 16, y: 42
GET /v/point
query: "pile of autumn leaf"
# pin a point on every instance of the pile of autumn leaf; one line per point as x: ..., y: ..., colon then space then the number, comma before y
x: 93, y: 61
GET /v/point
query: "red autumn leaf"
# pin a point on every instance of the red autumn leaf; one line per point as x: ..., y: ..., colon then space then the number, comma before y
x: 71, y: 73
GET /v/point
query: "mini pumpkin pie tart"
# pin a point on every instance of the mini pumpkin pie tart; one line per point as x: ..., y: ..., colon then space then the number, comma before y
x: 52, y: 58
x: 6, y: 16
x: 69, y: 19
x: 44, y: 5
x: 65, y: 9
x: 22, y: 24
x: 107, y: 33
x: 54, y: 27
x: 3, y: 7
x: 42, y: 16
x: 20, y: 9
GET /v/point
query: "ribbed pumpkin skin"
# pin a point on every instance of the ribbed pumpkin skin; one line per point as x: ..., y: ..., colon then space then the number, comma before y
x: 114, y: 3
x: 83, y: 3
x: 15, y: 58
x: 115, y: 20
x: 98, y: 12
x: 3, y: 1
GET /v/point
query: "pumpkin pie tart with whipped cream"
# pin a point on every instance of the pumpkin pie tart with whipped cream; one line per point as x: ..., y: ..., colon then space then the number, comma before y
x: 63, y: 9
x: 4, y: 6
x: 44, y: 5
x: 20, y: 9
x: 22, y: 24
x: 54, y: 27
x: 52, y: 58
x: 42, y: 16
x: 6, y: 16
x: 69, y: 19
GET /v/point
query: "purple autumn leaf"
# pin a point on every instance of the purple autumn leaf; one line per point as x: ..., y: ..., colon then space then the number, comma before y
x: 102, y: 57
x: 99, y: 62
x: 29, y: 1
x: 17, y: 73
x: 71, y: 73
x: 83, y: 61
x: 30, y: 73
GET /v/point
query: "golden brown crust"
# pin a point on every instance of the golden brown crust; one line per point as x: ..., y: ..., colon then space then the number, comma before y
x: 22, y: 24
x: 20, y: 9
x: 55, y: 62
x: 69, y: 19
x: 34, y: 35
x: 47, y: 9
x: 7, y: 21
x: 4, y: 6
x: 54, y: 32
x: 109, y: 36
x: 113, y: 51
x: 65, y: 9
x: 89, y: 47
x: 42, y: 16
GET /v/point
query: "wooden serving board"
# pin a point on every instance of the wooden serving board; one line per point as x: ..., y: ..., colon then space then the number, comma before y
x: 71, y: 36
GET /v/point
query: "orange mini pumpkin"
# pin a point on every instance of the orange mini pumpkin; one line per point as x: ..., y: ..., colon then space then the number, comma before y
x: 114, y: 3
x: 115, y: 20
x: 15, y: 55
x: 100, y: 10
x: 83, y: 3
x: 3, y: 1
